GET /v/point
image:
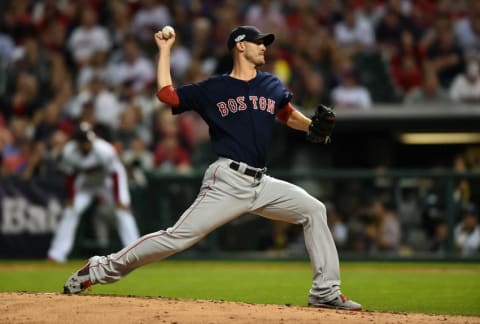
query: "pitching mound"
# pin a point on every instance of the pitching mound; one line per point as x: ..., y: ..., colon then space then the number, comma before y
x: 58, y: 308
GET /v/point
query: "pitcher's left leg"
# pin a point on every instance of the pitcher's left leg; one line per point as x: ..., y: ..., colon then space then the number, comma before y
x: 280, y: 200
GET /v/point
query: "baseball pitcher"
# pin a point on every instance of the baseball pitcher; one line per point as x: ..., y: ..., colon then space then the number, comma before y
x: 240, y: 109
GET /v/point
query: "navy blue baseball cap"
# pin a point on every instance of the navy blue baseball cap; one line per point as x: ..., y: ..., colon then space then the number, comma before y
x: 248, y: 34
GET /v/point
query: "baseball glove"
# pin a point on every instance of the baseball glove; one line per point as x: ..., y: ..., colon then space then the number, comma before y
x: 322, y: 125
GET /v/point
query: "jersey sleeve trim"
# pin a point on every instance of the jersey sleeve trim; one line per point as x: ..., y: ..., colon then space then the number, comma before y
x: 168, y: 95
x: 284, y: 112
x: 69, y: 184
x: 115, y: 187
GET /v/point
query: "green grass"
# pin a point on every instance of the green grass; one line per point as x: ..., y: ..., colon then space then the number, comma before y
x: 437, y: 288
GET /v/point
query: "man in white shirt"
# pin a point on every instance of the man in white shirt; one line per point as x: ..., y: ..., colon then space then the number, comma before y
x: 106, y: 106
x: 132, y: 67
x: 467, y: 232
x: 88, y: 38
x: 466, y: 86
x: 354, y: 34
x: 349, y: 94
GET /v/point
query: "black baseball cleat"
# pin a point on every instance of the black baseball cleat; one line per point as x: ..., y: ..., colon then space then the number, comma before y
x: 339, y: 302
x: 78, y: 281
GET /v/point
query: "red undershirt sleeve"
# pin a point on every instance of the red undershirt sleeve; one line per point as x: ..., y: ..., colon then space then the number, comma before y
x: 115, y: 188
x: 284, y: 112
x: 168, y: 95
x: 69, y: 184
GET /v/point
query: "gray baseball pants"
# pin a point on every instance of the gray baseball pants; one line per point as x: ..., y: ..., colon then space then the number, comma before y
x: 224, y: 195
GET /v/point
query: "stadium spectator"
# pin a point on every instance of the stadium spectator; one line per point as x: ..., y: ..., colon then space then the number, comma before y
x: 105, y: 103
x: 130, y: 128
x: 439, y: 242
x: 227, y: 16
x: 17, y: 20
x: 119, y: 26
x: 312, y: 91
x: 372, y: 11
x: 350, y: 94
x: 467, y: 232
x: 16, y: 147
x: 95, y: 66
x: 337, y: 227
x: 444, y: 56
x: 165, y: 125
x: 386, y: 232
x: 131, y: 66
x: 462, y: 193
x: 388, y: 31
x: 52, y: 24
x: 50, y: 158
x: 266, y: 15
x: 423, y: 14
x: 353, y: 34
x: 328, y: 58
x: 430, y: 92
x: 7, y: 48
x: 45, y: 65
x: 172, y: 146
x: 25, y: 99
x: 200, y: 46
x: 329, y: 12
x: 45, y: 138
x: 278, y: 65
x: 47, y: 12
x: 138, y: 160
x: 88, y: 38
x: 465, y: 87
x: 406, y: 63
x: 171, y: 156
x: 467, y: 29
x: 180, y: 59
x: 144, y: 104
x: 60, y: 85
x: 150, y: 17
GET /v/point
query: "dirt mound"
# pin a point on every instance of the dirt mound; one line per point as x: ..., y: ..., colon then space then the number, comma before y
x: 58, y: 308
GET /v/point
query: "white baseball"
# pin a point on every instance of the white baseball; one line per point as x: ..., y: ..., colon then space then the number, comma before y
x: 168, y: 32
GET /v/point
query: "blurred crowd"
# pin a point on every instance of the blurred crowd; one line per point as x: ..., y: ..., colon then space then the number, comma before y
x: 66, y: 61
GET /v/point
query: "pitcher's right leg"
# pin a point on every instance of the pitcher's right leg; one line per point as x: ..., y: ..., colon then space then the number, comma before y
x: 222, y: 198
x: 215, y: 205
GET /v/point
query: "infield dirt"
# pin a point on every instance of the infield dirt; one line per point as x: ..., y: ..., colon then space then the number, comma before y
x: 53, y: 308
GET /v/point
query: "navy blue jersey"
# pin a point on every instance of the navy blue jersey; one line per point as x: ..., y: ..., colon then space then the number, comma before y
x: 240, y: 114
